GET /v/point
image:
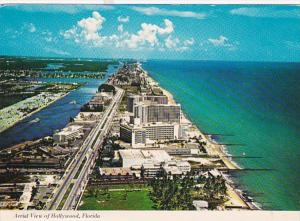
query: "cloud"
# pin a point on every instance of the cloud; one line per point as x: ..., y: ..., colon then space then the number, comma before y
x: 30, y: 27
x: 171, y: 42
x: 70, y: 33
x: 177, y: 45
x: 222, y: 41
x: 69, y: 9
x: 48, y: 36
x: 120, y: 28
x: 56, y: 51
x: 91, y: 25
x: 189, y: 42
x: 24, y: 29
x: 87, y: 29
x: 124, y: 19
x: 149, y: 36
x: 164, y: 12
x: 263, y: 12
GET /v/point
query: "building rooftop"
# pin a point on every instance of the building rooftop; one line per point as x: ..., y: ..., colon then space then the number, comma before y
x: 159, y: 155
x: 115, y: 171
x: 172, y: 170
x: 145, y: 156
x: 154, y: 124
x: 70, y: 129
x: 149, y: 103
x: 200, y: 204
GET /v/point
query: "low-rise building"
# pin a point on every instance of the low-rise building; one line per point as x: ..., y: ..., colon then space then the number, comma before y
x: 69, y: 133
x: 98, y: 102
x: 149, y: 170
x: 118, y: 173
x: 114, y: 171
x: 87, y: 117
x: 135, y: 157
x: 152, y: 163
x: 200, y: 204
x: 176, y: 167
x: 183, y: 151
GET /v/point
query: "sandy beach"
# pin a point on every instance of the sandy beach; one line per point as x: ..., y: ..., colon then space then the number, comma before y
x: 214, y: 149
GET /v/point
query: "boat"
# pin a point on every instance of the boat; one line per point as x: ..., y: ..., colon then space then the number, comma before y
x: 35, y: 120
x: 73, y: 102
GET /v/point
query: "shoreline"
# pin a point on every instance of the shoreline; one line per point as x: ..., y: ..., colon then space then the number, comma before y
x: 213, y: 148
x: 45, y: 106
x: 35, y: 111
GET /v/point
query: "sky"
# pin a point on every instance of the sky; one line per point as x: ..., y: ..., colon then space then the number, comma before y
x: 192, y: 32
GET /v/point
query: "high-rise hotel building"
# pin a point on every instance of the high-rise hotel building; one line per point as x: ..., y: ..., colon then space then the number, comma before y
x: 150, y: 99
x: 152, y: 120
x: 151, y: 113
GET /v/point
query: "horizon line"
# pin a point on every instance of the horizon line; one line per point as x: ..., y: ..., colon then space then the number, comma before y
x: 146, y: 59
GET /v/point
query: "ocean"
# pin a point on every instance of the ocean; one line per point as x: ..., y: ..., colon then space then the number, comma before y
x: 256, y: 105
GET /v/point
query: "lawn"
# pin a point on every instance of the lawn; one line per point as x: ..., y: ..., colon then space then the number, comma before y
x: 117, y: 200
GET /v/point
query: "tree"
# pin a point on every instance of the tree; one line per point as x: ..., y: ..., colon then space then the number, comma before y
x: 172, y: 194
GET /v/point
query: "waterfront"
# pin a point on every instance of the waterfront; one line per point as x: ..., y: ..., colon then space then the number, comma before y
x: 254, y: 102
x: 56, y: 115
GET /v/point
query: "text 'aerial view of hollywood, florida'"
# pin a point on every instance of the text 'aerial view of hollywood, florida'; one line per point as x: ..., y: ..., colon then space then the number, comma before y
x: 149, y: 107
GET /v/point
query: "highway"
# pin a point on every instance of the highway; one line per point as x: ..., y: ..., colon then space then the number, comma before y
x: 87, y: 153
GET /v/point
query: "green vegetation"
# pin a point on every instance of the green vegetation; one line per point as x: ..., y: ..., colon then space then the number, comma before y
x: 129, y: 89
x: 21, y: 63
x: 116, y: 199
x: 7, y: 100
x: 211, y: 189
x: 59, y: 74
x: 106, y: 88
x: 172, y: 194
x: 12, y: 91
x: 128, y: 187
x: 178, y: 193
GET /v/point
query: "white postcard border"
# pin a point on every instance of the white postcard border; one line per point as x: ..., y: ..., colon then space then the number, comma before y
x: 6, y: 215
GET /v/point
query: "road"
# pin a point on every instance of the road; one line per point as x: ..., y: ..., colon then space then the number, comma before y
x: 88, y: 153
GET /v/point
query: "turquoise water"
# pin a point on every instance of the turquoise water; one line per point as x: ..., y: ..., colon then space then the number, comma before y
x: 259, y: 104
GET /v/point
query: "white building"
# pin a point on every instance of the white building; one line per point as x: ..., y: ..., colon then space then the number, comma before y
x: 200, y: 204
x: 148, y: 162
x: 135, y: 157
x: 153, y: 99
x: 153, y: 162
x: 150, y: 169
x: 69, y: 133
x: 183, y: 151
x: 139, y: 135
x: 176, y: 167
